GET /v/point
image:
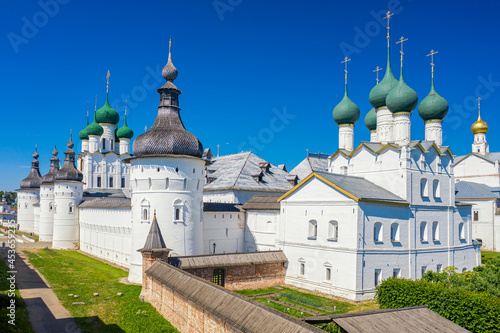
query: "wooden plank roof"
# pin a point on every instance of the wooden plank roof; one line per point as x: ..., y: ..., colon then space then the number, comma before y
x: 238, y: 311
x: 260, y: 202
x: 228, y: 259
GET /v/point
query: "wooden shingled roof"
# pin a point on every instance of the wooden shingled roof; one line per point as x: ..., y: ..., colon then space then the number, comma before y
x: 238, y: 311
x: 417, y: 319
x: 260, y: 202
x: 228, y: 259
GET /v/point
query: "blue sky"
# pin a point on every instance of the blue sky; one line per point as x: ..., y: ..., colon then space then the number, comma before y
x: 265, y: 70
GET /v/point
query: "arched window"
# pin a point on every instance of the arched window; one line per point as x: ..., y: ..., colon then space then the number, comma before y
x: 71, y: 208
x: 436, y: 188
x: 103, y: 143
x: 423, y: 231
x: 51, y: 207
x: 166, y: 183
x: 435, y: 231
x: 269, y: 227
x: 461, y: 231
x: 377, y: 232
x: 394, y: 232
x: 424, y: 191
x: 333, y: 231
x: 145, y: 211
x: 178, y: 211
x: 302, y: 267
x: 313, y: 229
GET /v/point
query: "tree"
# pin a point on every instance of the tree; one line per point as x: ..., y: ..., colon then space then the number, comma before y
x: 10, y: 197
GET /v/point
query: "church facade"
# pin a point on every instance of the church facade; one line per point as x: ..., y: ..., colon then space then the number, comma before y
x: 344, y: 221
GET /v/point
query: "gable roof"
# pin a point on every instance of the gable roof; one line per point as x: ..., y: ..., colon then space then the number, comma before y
x: 417, y: 319
x: 357, y: 188
x: 105, y: 203
x: 260, y: 202
x: 234, y: 172
x: 489, y: 157
x: 241, y: 312
x: 228, y: 259
x: 471, y: 191
x: 313, y: 162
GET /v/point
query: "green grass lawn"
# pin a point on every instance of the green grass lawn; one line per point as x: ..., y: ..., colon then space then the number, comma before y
x: 486, y: 256
x: 306, y: 302
x: 22, y: 322
x: 27, y: 234
x: 70, y: 272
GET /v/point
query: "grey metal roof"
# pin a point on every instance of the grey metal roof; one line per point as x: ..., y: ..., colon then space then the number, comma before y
x: 235, y: 172
x: 490, y: 157
x: 228, y: 259
x: 103, y: 192
x: 313, y: 162
x: 54, y: 167
x: 68, y: 170
x: 221, y: 207
x: 361, y: 188
x: 260, y: 202
x: 34, y: 178
x: 105, y: 203
x: 242, y: 313
x: 154, y: 241
x: 168, y: 136
x: 418, y: 319
x: 470, y: 190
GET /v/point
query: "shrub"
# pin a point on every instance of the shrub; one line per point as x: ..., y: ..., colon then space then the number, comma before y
x: 303, y: 300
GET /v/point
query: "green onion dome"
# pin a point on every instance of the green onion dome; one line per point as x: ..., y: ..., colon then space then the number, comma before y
x: 379, y: 93
x: 94, y: 128
x: 117, y: 139
x: 433, y: 107
x: 125, y: 132
x: 401, y: 98
x: 371, y: 120
x: 346, y: 112
x: 106, y: 114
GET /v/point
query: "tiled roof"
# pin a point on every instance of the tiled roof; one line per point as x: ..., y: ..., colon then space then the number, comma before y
x: 221, y: 207
x: 313, y: 162
x: 235, y: 172
x: 228, y: 259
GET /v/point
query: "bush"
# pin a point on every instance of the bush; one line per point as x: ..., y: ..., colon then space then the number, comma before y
x: 303, y: 300
x: 477, y: 312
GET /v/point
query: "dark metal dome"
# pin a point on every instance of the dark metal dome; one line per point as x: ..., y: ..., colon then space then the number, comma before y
x: 34, y: 178
x: 54, y: 167
x: 68, y: 170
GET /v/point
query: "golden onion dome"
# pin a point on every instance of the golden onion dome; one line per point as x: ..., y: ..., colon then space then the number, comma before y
x: 480, y: 126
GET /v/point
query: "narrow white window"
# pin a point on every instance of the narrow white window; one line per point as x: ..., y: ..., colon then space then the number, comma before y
x: 394, y: 232
x: 144, y: 211
x: 436, y: 188
x: 424, y: 269
x: 328, y: 275
x: 313, y: 229
x: 178, y: 211
x: 423, y: 231
x: 302, y: 268
x: 435, y: 231
x: 378, y: 277
x: 396, y: 272
x: 377, y: 232
x: 333, y: 231
x: 461, y: 231
x: 424, y: 191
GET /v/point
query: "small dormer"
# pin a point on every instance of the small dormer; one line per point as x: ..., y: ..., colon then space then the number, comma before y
x: 207, y: 154
x: 264, y: 166
x: 292, y: 179
x: 282, y: 167
x: 258, y: 177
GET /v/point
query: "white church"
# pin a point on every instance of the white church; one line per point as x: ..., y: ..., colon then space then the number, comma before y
x: 345, y: 221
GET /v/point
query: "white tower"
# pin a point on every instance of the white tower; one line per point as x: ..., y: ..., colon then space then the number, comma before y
x: 28, y: 195
x: 125, y: 134
x: 68, y: 193
x: 46, y: 227
x: 107, y: 117
x: 167, y: 176
x: 479, y: 129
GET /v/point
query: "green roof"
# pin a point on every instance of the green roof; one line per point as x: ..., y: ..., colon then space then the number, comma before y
x: 401, y: 98
x: 106, y: 114
x: 433, y: 107
x: 346, y: 112
x: 371, y: 120
x: 94, y: 128
x: 125, y: 132
x: 380, y: 91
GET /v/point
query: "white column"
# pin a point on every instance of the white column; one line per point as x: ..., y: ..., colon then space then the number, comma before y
x: 124, y: 146
x: 46, y: 212
x: 67, y: 197
x: 373, y: 136
x: 384, y: 125
x: 108, y: 138
x: 434, y: 131
x: 480, y: 144
x: 402, y: 128
x: 94, y: 143
x: 346, y: 137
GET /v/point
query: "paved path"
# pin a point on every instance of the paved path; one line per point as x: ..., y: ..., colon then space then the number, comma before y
x: 46, y: 313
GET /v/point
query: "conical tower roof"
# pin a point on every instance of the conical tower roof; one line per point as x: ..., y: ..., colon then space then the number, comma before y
x: 34, y: 178
x: 54, y: 167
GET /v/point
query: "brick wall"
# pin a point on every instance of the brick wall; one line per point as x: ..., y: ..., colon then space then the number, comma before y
x: 246, y: 277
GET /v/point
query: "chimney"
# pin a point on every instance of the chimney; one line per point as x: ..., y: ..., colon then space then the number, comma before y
x: 264, y: 166
x: 292, y: 179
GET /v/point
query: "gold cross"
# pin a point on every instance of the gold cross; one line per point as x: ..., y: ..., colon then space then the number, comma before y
x: 377, y: 70
x: 388, y: 16
x: 345, y: 61
x: 432, y: 60
x: 107, y: 81
x: 125, y: 107
x: 401, y: 41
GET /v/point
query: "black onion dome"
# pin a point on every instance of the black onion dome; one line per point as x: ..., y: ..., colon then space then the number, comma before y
x: 54, y: 167
x: 68, y: 170
x: 168, y: 136
x: 34, y: 178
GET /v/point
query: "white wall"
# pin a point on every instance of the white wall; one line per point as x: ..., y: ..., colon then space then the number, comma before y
x: 225, y: 229
x: 261, y: 230
x: 478, y: 170
x: 25, y: 210
x: 46, y: 212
